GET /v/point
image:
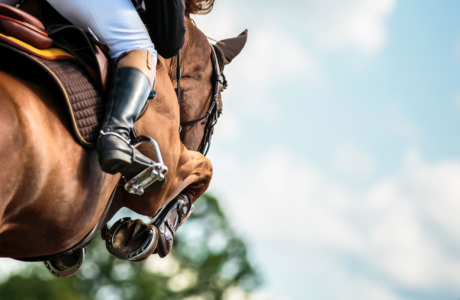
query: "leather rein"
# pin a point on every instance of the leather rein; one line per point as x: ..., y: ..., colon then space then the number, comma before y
x: 214, y: 111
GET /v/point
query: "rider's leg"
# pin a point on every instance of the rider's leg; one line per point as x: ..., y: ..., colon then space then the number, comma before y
x: 117, y: 24
x: 141, y: 60
x: 131, y: 84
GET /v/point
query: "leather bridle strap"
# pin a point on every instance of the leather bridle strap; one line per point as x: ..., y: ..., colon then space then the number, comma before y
x: 194, y: 120
x: 214, y: 111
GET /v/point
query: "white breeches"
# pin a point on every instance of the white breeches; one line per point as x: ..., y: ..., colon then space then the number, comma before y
x: 115, y: 23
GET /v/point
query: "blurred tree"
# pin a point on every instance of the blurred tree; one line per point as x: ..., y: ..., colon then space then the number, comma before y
x: 207, y: 262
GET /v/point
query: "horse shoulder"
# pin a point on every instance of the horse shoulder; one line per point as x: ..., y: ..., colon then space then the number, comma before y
x: 47, y: 178
x: 11, y: 139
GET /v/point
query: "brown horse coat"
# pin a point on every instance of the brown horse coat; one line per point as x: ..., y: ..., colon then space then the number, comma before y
x: 53, y: 191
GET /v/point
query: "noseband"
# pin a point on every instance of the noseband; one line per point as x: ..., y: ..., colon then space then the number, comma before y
x: 214, y: 111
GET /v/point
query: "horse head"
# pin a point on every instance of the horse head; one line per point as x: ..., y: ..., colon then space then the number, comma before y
x: 197, y: 80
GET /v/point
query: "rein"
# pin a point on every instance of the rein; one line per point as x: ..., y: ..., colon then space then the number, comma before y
x: 214, y: 111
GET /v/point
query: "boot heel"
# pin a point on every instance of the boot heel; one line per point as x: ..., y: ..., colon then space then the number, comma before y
x: 114, y: 161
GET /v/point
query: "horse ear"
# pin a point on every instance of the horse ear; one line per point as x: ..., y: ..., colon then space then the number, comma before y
x: 230, y: 48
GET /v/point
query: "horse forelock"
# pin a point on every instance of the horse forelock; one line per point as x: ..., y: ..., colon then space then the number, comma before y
x: 200, y: 7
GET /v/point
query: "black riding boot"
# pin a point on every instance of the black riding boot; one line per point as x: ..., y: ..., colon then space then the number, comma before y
x: 128, y: 95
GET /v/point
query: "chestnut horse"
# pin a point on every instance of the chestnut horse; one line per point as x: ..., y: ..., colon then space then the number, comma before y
x: 52, y: 190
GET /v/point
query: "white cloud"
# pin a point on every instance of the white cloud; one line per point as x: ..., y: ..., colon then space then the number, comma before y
x: 286, y: 47
x: 396, y: 230
x: 349, y: 160
x: 336, y: 24
x: 332, y: 24
x: 229, y: 128
x: 272, y: 59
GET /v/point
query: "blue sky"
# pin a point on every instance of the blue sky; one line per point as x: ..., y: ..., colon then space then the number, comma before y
x: 338, y: 154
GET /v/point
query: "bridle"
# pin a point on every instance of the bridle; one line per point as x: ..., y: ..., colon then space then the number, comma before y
x: 214, y: 111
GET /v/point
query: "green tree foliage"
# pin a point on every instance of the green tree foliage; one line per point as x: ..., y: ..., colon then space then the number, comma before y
x: 207, y: 261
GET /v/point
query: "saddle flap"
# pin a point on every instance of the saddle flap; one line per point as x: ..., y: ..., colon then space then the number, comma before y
x: 58, y: 72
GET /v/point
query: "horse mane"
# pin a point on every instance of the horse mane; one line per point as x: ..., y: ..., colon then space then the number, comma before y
x: 198, y: 7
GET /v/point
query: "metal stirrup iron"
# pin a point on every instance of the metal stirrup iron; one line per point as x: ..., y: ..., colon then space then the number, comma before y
x: 155, y: 172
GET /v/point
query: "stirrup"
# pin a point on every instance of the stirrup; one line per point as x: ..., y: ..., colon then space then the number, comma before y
x: 155, y: 172
x: 60, y: 268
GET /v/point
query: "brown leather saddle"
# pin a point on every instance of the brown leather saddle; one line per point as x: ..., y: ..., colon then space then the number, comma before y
x: 64, y: 58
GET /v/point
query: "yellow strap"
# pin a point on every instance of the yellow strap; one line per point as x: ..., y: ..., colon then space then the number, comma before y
x: 50, y: 52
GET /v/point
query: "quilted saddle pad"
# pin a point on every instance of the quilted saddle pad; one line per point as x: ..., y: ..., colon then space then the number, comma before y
x: 85, y: 101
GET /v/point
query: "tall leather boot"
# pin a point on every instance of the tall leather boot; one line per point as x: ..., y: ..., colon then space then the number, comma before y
x: 128, y: 95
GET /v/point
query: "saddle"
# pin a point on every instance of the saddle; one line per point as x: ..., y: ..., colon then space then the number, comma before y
x: 64, y: 58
